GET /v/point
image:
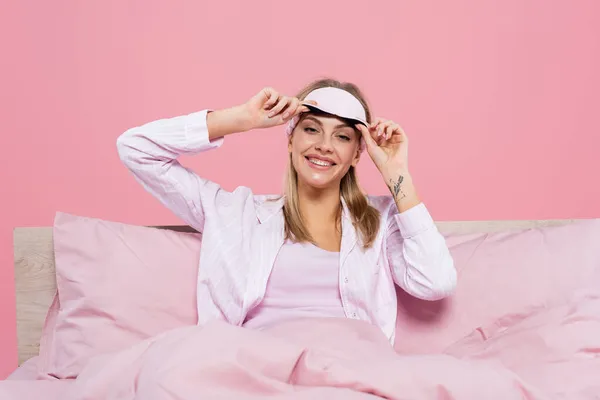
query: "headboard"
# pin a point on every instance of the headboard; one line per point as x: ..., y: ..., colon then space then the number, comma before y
x: 35, y: 282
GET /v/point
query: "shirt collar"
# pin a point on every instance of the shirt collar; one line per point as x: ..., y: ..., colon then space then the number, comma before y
x: 272, y: 205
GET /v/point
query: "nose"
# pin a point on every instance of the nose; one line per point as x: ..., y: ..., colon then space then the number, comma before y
x: 324, y: 144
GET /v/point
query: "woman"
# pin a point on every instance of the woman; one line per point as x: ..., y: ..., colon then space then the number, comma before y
x: 323, y: 249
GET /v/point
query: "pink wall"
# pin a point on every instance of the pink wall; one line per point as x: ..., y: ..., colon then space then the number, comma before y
x: 500, y: 100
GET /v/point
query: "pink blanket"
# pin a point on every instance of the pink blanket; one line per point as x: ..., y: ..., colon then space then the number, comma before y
x: 34, y: 390
x: 550, y: 353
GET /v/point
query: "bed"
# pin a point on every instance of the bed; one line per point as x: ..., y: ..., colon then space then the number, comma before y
x: 35, y: 283
x: 35, y: 286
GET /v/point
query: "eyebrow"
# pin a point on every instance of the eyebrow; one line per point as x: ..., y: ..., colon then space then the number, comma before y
x: 342, y: 125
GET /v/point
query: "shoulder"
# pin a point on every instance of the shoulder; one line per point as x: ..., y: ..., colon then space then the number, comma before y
x: 225, y: 204
x: 267, y: 205
x: 243, y: 196
x: 268, y: 201
x: 225, y: 198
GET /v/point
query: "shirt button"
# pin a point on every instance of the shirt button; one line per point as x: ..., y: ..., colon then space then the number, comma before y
x: 354, y: 315
x: 346, y: 280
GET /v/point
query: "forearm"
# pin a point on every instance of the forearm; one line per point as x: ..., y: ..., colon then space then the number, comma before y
x: 402, y: 188
x: 227, y: 121
x: 419, y: 258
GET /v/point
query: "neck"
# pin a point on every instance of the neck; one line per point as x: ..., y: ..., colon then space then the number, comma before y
x: 318, y: 205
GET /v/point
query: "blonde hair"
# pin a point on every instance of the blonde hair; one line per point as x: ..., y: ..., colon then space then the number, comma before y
x: 365, y: 218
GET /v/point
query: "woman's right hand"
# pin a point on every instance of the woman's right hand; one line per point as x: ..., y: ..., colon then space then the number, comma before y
x: 269, y: 108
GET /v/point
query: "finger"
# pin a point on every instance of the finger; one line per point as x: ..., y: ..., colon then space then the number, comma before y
x: 272, y: 97
x: 292, y: 107
x: 374, y: 125
x: 371, y: 130
x: 398, y: 138
x: 382, y: 125
x: 398, y: 131
x: 375, y: 135
x: 376, y: 121
x: 300, y: 110
x: 290, y: 110
x: 381, y: 128
x: 395, y: 139
x: 394, y: 131
x: 366, y: 135
x: 389, y: 131
x: 283, y: 101
x: 313, y: 102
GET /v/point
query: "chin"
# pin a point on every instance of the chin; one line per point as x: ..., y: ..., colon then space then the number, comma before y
x: 318, y: 183
x: 317, y: 180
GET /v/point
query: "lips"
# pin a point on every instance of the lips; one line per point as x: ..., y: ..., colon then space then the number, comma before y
x: 320, y: 161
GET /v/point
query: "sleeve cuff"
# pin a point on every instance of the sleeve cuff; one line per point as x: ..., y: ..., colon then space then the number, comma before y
x: 414, y: 221
x: 196, y: 131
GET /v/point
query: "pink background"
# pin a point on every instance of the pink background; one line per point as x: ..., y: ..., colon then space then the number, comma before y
x: 500, y: 101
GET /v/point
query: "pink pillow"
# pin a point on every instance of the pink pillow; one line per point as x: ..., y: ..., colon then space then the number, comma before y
x: 117, y: 284
x: 26, y: 371
x: 502, y: 273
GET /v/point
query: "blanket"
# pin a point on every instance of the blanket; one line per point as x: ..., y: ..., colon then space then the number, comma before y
x: 548, y: 353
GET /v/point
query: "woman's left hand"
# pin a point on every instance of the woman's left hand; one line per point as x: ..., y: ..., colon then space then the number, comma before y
x: 387, y: 144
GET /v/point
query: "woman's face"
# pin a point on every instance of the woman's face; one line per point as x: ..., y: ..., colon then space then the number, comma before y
x: 323, y: 148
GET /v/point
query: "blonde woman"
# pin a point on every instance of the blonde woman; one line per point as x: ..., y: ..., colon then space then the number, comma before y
x: 323, y: 248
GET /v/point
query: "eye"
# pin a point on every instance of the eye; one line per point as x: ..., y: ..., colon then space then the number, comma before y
x: 309, y: 129
x: 344, y: 138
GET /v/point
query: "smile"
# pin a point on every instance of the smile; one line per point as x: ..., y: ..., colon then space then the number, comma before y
x: 318, y: 163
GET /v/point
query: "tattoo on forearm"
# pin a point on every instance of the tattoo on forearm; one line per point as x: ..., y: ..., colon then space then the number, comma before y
x: 396, y: 189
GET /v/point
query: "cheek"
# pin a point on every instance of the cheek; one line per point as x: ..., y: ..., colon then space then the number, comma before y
x: 297, y: 148
x: 346, y: 152
x: 301, y: 142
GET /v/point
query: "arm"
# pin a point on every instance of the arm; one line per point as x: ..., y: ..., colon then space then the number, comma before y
x: 403, y: 190
x: 221, y: 123
x: 266, y: 109
x: 150, y: 152
x: 419, y: 260
x: 416, y: 252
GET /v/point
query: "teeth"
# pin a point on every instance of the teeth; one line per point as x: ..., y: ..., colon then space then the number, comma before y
x: 319, y: 162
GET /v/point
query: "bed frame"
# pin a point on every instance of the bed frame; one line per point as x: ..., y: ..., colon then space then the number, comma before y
x: 35, y: 282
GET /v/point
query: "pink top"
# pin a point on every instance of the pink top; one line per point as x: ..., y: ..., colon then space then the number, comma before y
x: 303, y: 283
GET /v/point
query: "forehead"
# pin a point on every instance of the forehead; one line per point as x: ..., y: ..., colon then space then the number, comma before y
x: 327, y: 120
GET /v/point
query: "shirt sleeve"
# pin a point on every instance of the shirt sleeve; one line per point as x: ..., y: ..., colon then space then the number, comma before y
x: 150, y: 152
x: 417, y: 254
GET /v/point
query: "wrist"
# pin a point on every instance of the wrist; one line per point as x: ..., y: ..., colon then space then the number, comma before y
x: 393, y: 174
x: 402, y: 188
x: 241, y: 118
x: 226, y: 121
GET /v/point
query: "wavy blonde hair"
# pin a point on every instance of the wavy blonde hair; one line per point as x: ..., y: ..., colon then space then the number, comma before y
x: 365, y: 218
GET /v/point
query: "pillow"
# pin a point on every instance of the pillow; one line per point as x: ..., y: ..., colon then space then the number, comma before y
x: 509, y: 272
x: 117, y: 284
x: 26, y: 371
